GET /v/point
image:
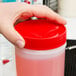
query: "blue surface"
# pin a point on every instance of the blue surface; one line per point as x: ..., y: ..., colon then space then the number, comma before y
x: 8, y: 0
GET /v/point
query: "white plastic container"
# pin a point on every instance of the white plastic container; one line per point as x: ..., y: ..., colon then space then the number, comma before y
x: 44, y: 52
x: 40, y: 63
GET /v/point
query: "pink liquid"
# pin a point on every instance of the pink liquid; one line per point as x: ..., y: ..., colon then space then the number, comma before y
x: 45, y: 67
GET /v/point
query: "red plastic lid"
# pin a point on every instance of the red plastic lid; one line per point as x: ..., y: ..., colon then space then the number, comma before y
x: 42, y: 34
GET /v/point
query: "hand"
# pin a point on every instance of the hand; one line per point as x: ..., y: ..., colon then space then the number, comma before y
x: 10, y: 12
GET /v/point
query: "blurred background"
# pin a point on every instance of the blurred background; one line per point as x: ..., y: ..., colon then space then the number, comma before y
x: 65, y: 8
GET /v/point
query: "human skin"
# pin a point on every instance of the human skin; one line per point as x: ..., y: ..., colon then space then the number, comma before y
x: 10, y: 12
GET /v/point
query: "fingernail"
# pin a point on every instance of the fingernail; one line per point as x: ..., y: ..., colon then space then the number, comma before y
x: 64, y: 21
x: 20, y: 43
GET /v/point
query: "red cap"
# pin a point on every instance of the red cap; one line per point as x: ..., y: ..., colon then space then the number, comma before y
x: 42, y: 34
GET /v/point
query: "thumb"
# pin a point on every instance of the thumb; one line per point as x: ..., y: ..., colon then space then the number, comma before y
x: 7, y: 29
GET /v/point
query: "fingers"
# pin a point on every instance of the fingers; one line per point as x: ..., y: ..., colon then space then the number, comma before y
x: 45, y: 12
x: 9, y: 32
x: 41, y: 11
x: 15, y: 10
x: 25, y: 11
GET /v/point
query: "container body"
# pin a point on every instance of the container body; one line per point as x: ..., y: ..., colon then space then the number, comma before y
x: 40, y: 63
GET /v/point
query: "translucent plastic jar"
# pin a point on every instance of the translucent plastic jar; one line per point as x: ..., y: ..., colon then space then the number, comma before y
x: 44, y: 52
